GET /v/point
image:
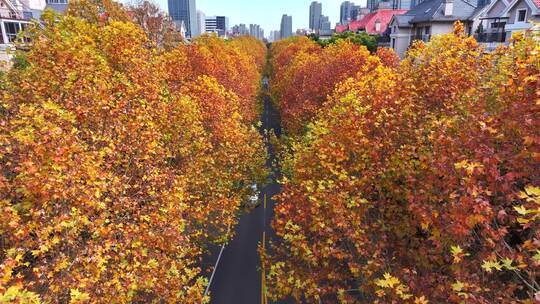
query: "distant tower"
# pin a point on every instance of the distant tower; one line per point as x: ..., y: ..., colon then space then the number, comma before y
x: 373, y: 5
x: 345, y: 12
x: 315, y: 12
x: 286, y: 26
x: 184, y: 10
x: 201, y: 23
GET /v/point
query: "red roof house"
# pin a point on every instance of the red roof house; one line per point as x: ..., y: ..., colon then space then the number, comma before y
x: 372, y: 23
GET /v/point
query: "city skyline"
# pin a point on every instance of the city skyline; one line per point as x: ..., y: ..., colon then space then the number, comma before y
x: 266, y: 14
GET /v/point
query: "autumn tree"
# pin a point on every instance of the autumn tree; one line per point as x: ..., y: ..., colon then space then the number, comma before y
x: 98, y: 11
x: 311, y: 76
x: 283, y: 53
x: 158, y: 26
x: 115, y: 177
x: 252, y: 47
x: 211, y: 56
x: 418, y: 184
x: 388, y: 57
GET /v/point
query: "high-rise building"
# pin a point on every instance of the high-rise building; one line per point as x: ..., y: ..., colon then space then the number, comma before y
x: 356, y: 11
x: 184, y: 11
x: 325, y: 24
x: 274, y: 36
x: 201, y: 23
x: 240, y: 30
x: 254, y: 30
x: 402, y: 4
x: 211, y: 24
x: 315, y: 12
x: 373, y: 5
x: 217, y: 24
x: 271, y: 36
x: 286, y: 26
x: 345, y: 12
x: 243, y: 30
x: 222, y: 24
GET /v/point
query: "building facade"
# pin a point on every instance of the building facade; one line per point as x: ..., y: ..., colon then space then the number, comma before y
x: 184, y: 12
x: 240, y: 30
x: 315, y: 13
x: 286, y: 26
x: 275, y: 36
x: 435, y: 17
x: 15, y: 15
x: 217, y: 24
x: 325, y: 27
x: 256, y: 31
x: 345, y: 12
x: 521, y: 15
x: 201, y: 23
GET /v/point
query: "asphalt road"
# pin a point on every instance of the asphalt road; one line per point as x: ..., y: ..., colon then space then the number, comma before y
x: 237, y: 279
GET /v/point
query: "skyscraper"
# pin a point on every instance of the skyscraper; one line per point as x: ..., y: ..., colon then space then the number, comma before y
x: 255, y: 31
x: 201, y: 23
x: 325, y: 24
x: 315, y: 12
x: 286, y: 26
x: 184, y: 11
x: 356, y: 12
x: 345, y: 12
x: 222, y: 25
x: 240, y: 30
x: 275, y: 36
x: 373, y: 5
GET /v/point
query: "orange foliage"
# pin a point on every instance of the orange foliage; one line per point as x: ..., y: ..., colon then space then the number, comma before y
x: 212, y: 56
x: 388, y: 57
x: 252, y: 47
x: 418, y: 183
x: 114, y: 176
x: 311, y: 75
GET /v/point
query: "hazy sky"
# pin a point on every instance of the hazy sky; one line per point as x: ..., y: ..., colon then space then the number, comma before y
x: 266, y: 13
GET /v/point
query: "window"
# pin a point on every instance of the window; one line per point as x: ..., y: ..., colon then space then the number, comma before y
x: 522, y: 15
x: 57, y: 1
x: 12, y: 29
x: 428, y: 30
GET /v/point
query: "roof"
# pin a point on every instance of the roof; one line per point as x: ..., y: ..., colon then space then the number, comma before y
x: 533, y: 4
x: 432, y: 10
x: 403, y: 20
x: 341, y: 28
x: 367, y: 23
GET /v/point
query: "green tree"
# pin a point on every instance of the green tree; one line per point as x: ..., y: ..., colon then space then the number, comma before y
x: 362, y: 38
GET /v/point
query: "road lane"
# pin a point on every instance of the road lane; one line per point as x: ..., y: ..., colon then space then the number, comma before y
x: 237, y: 279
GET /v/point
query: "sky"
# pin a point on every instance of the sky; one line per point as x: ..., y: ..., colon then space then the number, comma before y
x: 266, y: 13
